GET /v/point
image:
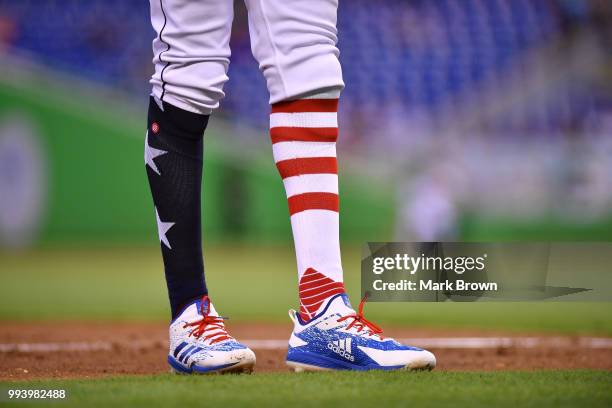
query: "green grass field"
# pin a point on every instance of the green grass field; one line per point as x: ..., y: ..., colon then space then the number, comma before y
x: 258, y: 284
x: 452, y: 389
x: 127, y: 284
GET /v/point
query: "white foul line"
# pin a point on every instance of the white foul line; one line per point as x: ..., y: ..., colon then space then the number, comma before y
x: 430, y: 342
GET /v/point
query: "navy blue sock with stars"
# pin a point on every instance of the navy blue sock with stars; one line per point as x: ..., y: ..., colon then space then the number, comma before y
x: 173, y: 161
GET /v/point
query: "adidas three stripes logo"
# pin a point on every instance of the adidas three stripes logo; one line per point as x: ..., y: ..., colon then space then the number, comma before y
x: 342, y: 347
x: 188, y: 352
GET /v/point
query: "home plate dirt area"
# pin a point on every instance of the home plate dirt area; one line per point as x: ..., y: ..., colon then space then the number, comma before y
x: 83, y: 349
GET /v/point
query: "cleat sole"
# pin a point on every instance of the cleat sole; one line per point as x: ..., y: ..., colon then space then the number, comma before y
x: 245, y: 367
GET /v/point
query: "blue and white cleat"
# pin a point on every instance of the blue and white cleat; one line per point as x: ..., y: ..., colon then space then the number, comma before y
x: 337, y: 338
x: 199, y: 343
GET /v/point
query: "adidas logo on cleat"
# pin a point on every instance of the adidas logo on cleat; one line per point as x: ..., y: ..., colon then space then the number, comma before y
x: 342, y: 347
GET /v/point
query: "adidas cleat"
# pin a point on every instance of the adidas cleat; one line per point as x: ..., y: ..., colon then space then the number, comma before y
x: 337, y: 338
x: 200, y: 344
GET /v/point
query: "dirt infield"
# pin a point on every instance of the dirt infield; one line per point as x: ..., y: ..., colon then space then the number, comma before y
x: 69, y: 350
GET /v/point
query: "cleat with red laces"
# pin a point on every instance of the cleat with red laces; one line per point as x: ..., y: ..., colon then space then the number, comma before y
x: 200, y: 344
x: 338, y: 338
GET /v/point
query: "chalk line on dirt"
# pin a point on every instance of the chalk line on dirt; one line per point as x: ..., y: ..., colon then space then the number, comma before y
x: 431, y: 342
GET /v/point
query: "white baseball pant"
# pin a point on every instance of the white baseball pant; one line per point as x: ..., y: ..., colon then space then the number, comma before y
x: 294, y: 42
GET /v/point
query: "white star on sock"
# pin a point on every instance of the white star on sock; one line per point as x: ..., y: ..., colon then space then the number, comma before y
x: 162, y: 229
x: 151, y: 153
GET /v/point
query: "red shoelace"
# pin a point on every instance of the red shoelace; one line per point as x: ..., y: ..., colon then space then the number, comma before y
x: 211, y: 324
x: 360, y: 322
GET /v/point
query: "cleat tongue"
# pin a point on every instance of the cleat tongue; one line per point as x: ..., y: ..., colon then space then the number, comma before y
x: 212, y: 311
x: 206, y: 324
x: 337, y: 304
x: 191, y: 313
x: 205, y: 306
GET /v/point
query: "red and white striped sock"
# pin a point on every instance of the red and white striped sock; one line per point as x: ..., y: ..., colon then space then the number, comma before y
x: 304, y: 134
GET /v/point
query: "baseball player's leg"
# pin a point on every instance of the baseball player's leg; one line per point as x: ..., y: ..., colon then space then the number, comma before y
x: 294, y: 42
x: 191, y: 56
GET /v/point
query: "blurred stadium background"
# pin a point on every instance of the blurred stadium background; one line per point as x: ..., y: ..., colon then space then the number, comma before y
x: 465, y: 119
x: 462, y: 119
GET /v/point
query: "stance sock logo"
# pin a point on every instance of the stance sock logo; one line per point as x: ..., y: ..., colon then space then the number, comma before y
x: 342, y: 347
